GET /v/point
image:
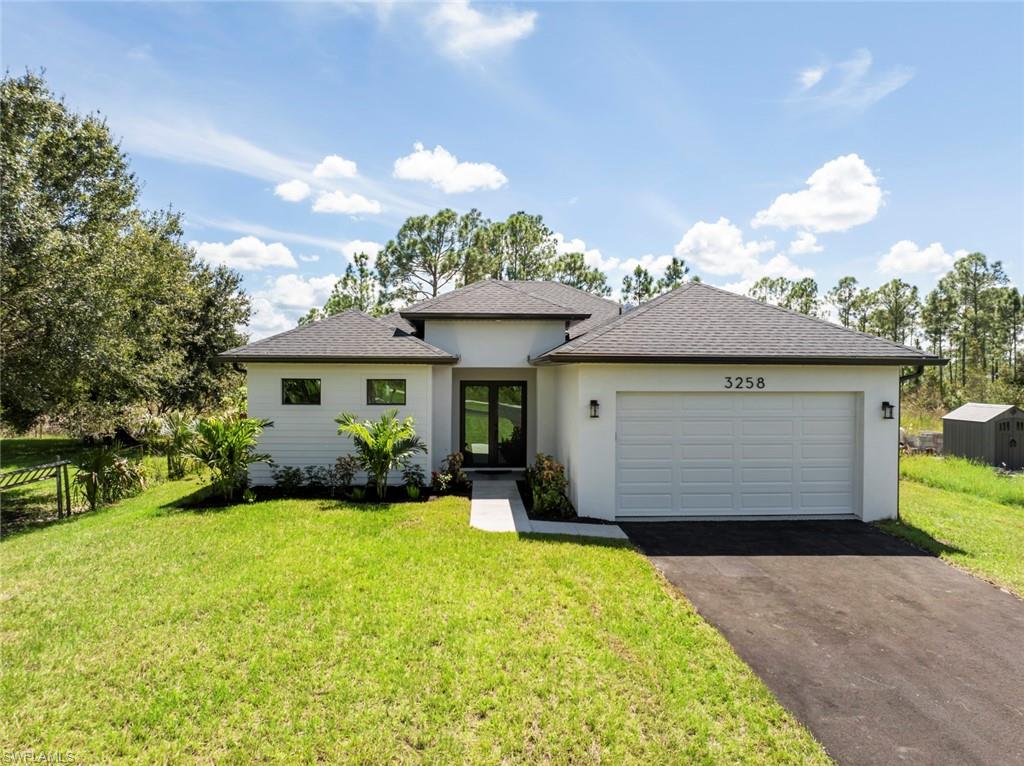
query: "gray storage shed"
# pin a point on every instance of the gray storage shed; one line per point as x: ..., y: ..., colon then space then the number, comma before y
x: 990, y: 433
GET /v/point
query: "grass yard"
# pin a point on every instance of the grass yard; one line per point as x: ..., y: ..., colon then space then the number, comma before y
x: 966, y: 513
x: 320, y: 631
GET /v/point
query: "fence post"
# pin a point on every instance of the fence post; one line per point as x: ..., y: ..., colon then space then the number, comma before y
x: 60, y: 492
x: 67, y: 489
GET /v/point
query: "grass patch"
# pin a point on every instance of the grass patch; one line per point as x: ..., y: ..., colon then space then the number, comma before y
x: 981, y: 536
x: 315, y: 630
x: 959, y: 475
x: 915, y: 420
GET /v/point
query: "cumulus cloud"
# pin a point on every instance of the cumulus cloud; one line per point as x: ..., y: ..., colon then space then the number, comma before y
x: 776, y: 266
x: 656, y: 264
x: 340, y: 202
x: 850, y: 84
x: 811, y: 76
x: 719, y: 248
x: 309, y: 258
x: 906, y: 257
x: 804, y: 244
x: 462, y: 31
x: 335, y: 166
x: 841, y: 194
x: 442, y: 169
x: 591, y: 256
x: 246, y: 253
x: 279, y: 304
x: 292, y: 191
x: 354, y: 246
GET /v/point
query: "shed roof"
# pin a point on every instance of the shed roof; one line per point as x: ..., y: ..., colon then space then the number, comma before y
x: 975, y: 412
x: 350, y: 336
x: 700, y: 323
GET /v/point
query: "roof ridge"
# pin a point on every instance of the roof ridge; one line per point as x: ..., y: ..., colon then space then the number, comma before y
x: 509, y: 285
x: 604, y: 327
x: 819, y: 320
x: 580, y: 290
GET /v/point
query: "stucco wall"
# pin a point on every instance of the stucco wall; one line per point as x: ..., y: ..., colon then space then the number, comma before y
x: 307, y: 434
x: 587, y: 445
x: 494, y: 343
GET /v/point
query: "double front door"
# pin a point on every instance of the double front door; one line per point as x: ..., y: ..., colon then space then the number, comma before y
x: 493, y: 418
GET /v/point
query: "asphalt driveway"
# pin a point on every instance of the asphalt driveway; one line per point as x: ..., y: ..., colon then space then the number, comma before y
x: 885, y: 653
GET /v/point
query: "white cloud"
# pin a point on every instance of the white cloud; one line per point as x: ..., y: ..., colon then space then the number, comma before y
x: 804, y: 243
x: 656, y: 264
x: 811, y: 76
x: 335, y: 166
x: 340, y: 202
x: 248, y: 227
x: 906, y: 257
x: 278, y: 306
x: 718, y: 248
x: 292, y: 191
x: 309, y: 258
x: 840, y: 194
x: 461, y: 30
x: 776, y: 266
x: 354, y: 246
x: 267, y: 320
x: 293, y: 291
x: 853, y: 85
x: 442, y: 169
x: 592, y: 257
x: 246, y: 253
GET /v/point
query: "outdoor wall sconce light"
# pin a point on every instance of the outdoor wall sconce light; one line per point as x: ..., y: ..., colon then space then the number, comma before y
x: 594, y: 408
x: 887, y: 411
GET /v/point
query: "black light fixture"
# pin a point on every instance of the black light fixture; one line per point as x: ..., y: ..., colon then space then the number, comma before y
x: 594, y: 408
x: 887, y: 411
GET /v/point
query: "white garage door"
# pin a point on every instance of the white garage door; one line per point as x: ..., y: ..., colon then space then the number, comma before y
x: 743, y: 454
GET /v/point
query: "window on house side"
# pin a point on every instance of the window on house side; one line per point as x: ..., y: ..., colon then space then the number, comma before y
x: 300, y: 390
x: 383, y: 391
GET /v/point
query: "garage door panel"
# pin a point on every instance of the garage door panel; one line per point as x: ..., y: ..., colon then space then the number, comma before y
x: 743, y: 453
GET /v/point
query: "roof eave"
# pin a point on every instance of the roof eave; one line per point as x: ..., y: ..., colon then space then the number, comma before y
x: 228, y: 357
x: 496, y: 315
x: 554, y: 358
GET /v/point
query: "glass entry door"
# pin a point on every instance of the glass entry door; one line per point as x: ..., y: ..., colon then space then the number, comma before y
x: 493, y: 424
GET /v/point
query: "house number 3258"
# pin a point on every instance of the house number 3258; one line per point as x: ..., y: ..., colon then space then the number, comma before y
x: 741, y: 382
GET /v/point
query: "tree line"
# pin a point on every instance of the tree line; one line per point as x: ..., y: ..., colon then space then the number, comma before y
x: 104, y: 310
x: 433, y: 253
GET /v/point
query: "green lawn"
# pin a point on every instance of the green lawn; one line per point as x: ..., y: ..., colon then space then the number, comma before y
x: 314, y: 630
x: 965, y: 513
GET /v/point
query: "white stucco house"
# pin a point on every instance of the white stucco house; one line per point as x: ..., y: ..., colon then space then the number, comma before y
x: 698, y: 404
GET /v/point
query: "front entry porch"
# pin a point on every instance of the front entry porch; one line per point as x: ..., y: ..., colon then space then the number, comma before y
x: 493, y: 423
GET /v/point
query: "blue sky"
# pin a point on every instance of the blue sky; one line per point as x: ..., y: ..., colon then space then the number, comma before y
x: 801, y: 139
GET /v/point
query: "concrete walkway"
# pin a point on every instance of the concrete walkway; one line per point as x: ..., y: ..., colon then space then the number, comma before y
x: 497, y: 507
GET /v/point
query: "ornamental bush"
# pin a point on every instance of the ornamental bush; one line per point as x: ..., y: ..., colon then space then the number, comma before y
x: 549, y: 486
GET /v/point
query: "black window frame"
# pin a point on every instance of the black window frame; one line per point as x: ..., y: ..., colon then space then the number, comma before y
x: 319, y: 393
x: 369, y: 392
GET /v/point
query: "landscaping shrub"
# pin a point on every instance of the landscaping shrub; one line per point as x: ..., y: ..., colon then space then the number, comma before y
x: 176, y: 432
x: 226, y: 447
x: 451, y: 478
x: 287, y: 478
x: 414, y: 479
x: 381, y: 445
x: 107, y: 474
x: 549, y: 486
x: 345, y: 469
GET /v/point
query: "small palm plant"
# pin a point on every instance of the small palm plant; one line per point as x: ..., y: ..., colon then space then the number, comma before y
x: 177, y: 430
x: 107, y: 474
x: 226, y: 447
x: 382, y: 445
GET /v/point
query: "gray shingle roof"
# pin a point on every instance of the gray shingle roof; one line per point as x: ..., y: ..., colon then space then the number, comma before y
x: 492, y: 299
x: 351, y: 336
x: 600, y: 309
x: 978, y: 413
x: 701, y: 323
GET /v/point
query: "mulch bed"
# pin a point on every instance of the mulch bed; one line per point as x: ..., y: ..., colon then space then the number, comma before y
x: 527, y: 495
x: 203, y: 499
